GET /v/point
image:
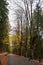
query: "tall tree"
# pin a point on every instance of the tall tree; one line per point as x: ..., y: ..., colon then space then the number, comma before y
x: 37, y: 26
x: 3, y: 20
x: 23, y: 15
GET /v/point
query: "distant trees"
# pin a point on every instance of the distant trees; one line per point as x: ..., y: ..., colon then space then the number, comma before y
x: 31, y: 23
x: 3, y: 21
x: 20, y: 14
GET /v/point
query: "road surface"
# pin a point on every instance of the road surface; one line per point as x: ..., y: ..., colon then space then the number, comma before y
x: 12, y: 59
x: 20, y: 60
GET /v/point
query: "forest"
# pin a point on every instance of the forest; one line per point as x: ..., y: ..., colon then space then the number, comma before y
x: 27, y: 38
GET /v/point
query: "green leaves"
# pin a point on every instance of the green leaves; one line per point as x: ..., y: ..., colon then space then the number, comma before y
x: 3, y: 20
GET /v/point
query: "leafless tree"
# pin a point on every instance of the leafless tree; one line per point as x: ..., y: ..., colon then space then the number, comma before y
x: 24, y: 12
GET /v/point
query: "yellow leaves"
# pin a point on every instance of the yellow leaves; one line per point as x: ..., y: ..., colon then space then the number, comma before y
x: 28, y: 38
x: 11, y: 48
x: 16, y: 38
x: 17, y: 46
x: 23, y: 41
x: 6, y: 39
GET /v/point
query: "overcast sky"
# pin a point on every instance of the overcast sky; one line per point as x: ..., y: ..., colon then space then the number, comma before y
x: 11, y: 8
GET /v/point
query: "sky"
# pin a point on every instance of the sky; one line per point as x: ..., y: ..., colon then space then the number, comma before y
x: 11, y: 8
x: 11, y: 16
